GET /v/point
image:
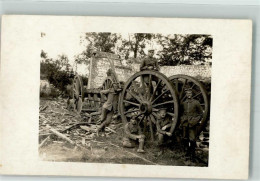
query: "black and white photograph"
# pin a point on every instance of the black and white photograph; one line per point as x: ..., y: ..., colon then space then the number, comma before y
x: 125, y: 98
x: 142, y: 97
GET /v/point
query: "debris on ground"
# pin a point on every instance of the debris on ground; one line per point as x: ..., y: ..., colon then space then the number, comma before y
x: 65, y: 135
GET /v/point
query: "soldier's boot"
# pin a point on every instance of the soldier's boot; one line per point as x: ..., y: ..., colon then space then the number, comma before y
x: 186, y: 145
x: 192, y: 150
x: 101, y: 128
x: 141, y: 146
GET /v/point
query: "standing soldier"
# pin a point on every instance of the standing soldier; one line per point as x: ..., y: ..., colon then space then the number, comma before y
x: 133, y: 133
x: 192, y: 114
x: 149, y: 63
x: 108, y: 108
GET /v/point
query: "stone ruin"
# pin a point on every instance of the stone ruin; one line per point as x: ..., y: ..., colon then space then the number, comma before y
x: 99, y: 64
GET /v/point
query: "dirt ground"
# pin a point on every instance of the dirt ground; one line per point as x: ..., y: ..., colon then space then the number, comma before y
x: 84, y: 145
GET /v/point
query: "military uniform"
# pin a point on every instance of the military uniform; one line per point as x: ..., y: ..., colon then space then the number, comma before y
x: 192, y: 114
x: 132, y: 134
x: 191, y: 117
x: 107, y: 108
x: 149, y: 63
x: 163, y: 126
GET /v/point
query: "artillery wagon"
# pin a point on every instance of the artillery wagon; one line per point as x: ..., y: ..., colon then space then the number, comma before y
x: 144, y: 100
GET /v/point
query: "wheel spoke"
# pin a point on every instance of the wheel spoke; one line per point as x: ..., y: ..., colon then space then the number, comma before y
x: 145, y: 123
x: 177, y: 84
x: 171, y: 114
x: 133, y: 95
x: 183, y: 87
x: 149, y: 87
x: 129, y: 102
x: 151, y: 127
x: 167, y: 102
x: 155, y: 115
x: 183, y: 98
x: 110, y: 84
x: 160, y: 95
x: 130, y: 111
x: 155, y: 110
x: 138, y: 115
x: 141, y: 119
x: 155, y: 89
x: 192, y: 86
x: 196, y: 95
x: 140, y: 95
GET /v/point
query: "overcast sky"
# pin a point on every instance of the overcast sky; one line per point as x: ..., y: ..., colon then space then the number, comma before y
x: 55, y: 43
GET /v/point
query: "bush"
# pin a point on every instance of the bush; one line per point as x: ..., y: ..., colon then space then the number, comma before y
x: 57, y: 75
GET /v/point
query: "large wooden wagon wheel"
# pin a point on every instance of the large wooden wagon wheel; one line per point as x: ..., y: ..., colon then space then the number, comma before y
x: 182, y: 82
x: 107, y: 84
x: 77, y: 93
x: 144, y: 94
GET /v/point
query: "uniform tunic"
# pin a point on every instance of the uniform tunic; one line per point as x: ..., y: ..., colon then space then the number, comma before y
x: 149, y: 64
x: 192, y: 114
x: 110, y: 98
x: 131, y: 133
x: 163, y: 122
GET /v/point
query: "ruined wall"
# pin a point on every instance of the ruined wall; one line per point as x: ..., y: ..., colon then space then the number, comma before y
x: 201, y: 72
x: 100, y: 64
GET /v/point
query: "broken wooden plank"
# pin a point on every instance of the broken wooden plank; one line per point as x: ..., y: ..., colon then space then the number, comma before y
x: 86, y: 128
x: 144, y: 159
x: 74, y: 126
x: 44, y: 141
x: 109, y: 129
x: 60, y: 135
x: 43, y: 108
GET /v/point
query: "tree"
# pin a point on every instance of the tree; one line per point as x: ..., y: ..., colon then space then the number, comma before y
x: 133, y: 46
x: 136, y: 43
x: 58, y: 72
x: 104, y: 42
x: 184, y: 49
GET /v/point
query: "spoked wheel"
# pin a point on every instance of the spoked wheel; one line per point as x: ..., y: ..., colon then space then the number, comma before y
x: 144, y: 94
x: 107, y: 84
x: 77, y: 93
x: 182, y: 82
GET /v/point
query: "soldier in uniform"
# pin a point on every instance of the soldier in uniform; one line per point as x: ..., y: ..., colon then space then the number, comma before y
x: 108, y: 108
x: 163, y: 125
x: 192, y: 114
x: 149, y: 63
x: 133, y: 134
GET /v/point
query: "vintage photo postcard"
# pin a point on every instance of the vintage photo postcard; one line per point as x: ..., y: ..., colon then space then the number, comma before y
x: 125, y: 96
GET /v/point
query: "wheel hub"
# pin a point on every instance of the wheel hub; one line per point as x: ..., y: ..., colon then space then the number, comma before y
x: 146, y: 107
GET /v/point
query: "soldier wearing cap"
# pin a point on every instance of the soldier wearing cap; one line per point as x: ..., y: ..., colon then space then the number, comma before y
x: 108, y: 108
x: 163, y: 125
x: 133, y: 134
x: 149, y: 63
x: 192, y: 114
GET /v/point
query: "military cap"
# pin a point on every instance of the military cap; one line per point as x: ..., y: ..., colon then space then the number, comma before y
x: 150, y: 50
x: 188, y: 90
x: 163, y: 108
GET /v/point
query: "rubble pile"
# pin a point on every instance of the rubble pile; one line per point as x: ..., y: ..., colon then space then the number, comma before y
x: 62, y: 132
x: 68, y: 126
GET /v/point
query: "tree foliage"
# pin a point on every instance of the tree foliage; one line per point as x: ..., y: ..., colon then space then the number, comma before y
x: 185, y: 49
x: 58, y: 72
x: 104, y: 42
x: 171, y: 49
